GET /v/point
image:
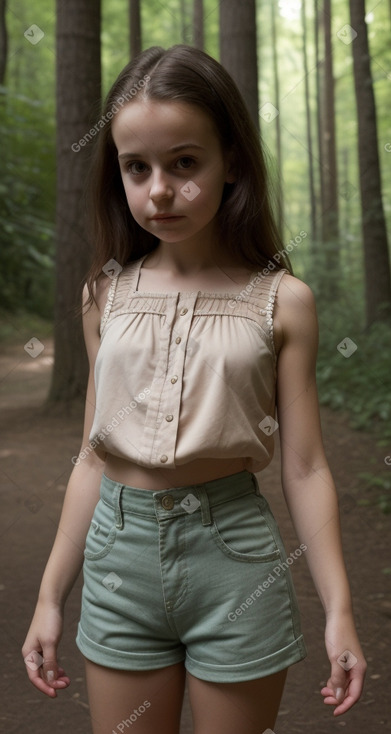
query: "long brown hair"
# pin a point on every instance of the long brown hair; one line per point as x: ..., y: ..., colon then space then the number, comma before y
x: 186, y: 74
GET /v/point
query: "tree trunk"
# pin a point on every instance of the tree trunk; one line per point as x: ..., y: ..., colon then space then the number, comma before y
x: 318, y: 28
x: 3, y: 40
x: 78, y: 101
x: 135, y: 28
x: 280, y: 204
x: 330, y: 231
x: 308, y: 125
x: 184, y: 29
x: 198, y: 24
x: 376, y: 257
x: 238, y: 49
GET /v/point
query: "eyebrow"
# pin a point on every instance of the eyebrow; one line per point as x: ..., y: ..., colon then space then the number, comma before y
x: 174, y: 149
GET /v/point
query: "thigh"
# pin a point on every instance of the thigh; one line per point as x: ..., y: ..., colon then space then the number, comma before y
x: 147, y: 701
x: 248, y: 707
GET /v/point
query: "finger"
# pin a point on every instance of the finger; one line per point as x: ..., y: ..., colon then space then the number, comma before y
x: 39, y: 683
x: 42, y: 686
x: 326, y: 691
x: 338, y: 680
x: 344, y: 706
x: 52, y: 674
x: 46, y: 688
x: 352, y: 695
x: 35, y: 664
x: 50, y: 668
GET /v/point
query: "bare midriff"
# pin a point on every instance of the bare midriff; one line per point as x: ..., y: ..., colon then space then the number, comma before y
x: 195, y: 472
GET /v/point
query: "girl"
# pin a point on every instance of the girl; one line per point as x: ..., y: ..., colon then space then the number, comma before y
x: 196, y: 331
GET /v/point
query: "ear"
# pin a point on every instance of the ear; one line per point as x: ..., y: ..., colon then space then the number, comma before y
x: 230, y: 169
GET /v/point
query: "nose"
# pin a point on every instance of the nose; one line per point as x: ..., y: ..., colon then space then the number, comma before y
x: 160, y: 186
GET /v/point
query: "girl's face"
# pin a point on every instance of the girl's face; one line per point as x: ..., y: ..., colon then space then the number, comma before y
x: 172, y: 167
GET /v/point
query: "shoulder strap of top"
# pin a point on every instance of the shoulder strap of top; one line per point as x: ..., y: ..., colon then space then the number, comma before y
x: 264, y: 294
x: 120, y: 286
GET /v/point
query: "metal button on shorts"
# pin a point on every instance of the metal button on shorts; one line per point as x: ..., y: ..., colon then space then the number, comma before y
x: 168, y: 502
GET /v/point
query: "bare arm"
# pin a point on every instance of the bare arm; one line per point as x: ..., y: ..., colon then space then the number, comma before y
x: 66, y: 557
x: 308, y: 486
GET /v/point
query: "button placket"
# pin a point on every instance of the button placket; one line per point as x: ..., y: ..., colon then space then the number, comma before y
x: 167, y: 428
x: 151, y: 449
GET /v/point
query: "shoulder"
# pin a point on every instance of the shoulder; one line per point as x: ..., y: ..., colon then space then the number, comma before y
x: 93, y: 309
x: 100, y: 292
x: 294, y: 312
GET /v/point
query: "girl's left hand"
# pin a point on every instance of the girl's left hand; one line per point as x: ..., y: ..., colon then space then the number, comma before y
x: 348, y: 664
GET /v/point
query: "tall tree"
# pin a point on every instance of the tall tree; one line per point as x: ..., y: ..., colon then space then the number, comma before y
x: 184, y: 28
x: 376, y: 256
x: 280, y: 203
x: 135, y: 28
x: 3, y: 40
x: 198, y: 24
x: 319, y: 95
x: 238, y: 49
x: 78, y: 100
x: 330, y: 230
x: 308, y: 125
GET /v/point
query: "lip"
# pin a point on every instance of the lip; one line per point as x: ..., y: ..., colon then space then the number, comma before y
x: 165, y: 217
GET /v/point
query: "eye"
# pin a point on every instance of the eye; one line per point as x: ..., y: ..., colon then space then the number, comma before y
x: 185, y: 162
x: 136, y: 168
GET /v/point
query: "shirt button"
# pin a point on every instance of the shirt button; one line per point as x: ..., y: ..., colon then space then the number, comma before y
x: 174, y: 379
x: 163, y: 458
x: 168, y: 502
x: 169, y: 418
x: 178, y: 340
x: 184, y: 310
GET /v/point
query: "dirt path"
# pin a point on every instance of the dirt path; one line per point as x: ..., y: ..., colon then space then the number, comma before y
x: 36, y: 450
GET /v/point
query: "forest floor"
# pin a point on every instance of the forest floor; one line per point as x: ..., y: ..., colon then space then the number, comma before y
x: 36, y: 451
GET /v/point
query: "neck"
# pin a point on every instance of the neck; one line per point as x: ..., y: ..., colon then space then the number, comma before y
x: 190, y: 256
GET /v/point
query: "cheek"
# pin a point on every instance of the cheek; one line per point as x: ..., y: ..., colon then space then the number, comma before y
x: 212, y: 186
x: 208, y: 200
x: 134, y: 197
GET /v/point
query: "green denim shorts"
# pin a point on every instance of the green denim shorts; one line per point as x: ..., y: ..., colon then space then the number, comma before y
x: 196, y: 574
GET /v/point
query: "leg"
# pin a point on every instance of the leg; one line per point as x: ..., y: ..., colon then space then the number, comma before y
x: 249, y: 707
x: 119, y: 699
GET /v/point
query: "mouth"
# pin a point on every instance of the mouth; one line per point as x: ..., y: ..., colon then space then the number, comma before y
x: 165, y: 218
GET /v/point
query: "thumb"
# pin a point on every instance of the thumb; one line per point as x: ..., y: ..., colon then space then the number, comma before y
x: 49, y: 665
x: 337, y: 681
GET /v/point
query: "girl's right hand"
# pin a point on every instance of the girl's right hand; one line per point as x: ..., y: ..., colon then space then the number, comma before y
x: 40, y: 650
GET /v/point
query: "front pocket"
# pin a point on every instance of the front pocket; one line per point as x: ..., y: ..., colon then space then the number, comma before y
x: 101, y: 534
x: 242, y: 532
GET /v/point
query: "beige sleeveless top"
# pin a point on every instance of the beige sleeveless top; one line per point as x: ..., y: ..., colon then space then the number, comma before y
x: 185, y: 376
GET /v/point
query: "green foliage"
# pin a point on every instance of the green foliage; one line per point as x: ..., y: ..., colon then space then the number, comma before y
x: 162, y: 24
x: 291, y: 109
x: 26, y: 209
x: 17, y: 328
x: 27, y: 173
x: 382, y: 483
x: 360, y: 383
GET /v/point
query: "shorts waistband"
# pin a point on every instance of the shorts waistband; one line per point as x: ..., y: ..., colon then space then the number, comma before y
x: 168, y: 503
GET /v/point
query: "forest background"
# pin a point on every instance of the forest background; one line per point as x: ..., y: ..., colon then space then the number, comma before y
x: 307, y: 106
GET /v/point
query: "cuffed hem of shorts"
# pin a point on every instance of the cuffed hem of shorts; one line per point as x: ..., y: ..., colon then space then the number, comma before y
x: 121, y: 660
x: 293, y: 653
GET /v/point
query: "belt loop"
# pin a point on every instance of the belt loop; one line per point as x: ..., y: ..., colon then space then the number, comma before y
x: 119, y: 519
x: 206, y: 516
